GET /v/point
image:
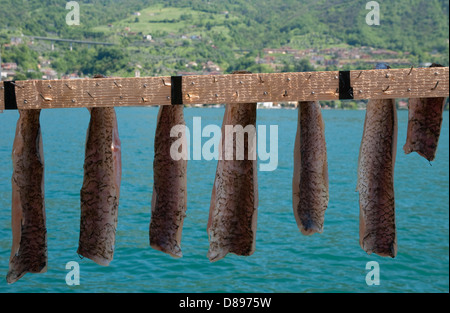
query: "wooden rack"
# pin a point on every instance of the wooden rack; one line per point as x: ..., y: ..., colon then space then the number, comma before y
x: 238, y: 88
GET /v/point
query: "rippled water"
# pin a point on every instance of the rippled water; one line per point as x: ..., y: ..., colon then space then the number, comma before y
x: 284, y: 261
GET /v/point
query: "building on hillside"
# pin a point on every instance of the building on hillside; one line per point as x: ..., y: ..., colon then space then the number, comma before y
x: 8, y: 75
x: 49, y: 74
x: 192, y: 64
x: 16, y: 41
x: 9, y: 66
x: 210, y: 66
x: 71, y: 76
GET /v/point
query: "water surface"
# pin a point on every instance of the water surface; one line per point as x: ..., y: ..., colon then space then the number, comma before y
x: 284, y: 261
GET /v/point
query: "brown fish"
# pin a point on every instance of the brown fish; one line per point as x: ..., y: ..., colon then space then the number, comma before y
x: 29, y: 232
x: 310, y: 183
x: 376, y: 179
x: 101, y: 187
x: 234, y: 201
x: 424, y: 125
x: 169, y: 200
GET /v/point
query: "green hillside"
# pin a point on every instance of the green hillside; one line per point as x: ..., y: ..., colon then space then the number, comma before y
x: 206, y: 36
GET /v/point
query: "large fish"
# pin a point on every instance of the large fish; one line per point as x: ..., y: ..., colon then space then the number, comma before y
x: 101, y: 187
x: 310, y: 183
x: 29, y: 232
x: 424, y: 125
x: 376, y: 179
x: 234, y: 201
x: 169, y: 200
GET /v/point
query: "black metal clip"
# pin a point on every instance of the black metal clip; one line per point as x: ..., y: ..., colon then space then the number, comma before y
x: 177, y: 90
x: 345, y: 87
x: 10, y: 95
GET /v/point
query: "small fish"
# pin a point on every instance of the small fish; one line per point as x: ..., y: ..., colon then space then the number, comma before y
x: 234, y: 201
x: 310, y: 183
x: 424, y: 126
x: 376, y: 179
x: 169, y: 200
x: 100, y: 192
x: 29, y: 232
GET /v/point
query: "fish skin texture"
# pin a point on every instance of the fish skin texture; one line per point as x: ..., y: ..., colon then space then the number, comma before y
x: 100, y: 192
x: 29, y: 247
x: 310, y: 183
x: 376, y: 179
x: 234, y: 201
x: 424, y: 126
x: 169, y: 199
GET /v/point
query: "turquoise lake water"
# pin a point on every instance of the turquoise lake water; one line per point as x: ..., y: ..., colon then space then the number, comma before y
x: 284, y: 261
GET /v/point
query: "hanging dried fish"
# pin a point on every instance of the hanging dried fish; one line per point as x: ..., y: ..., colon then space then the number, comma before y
x: 29, y: 247
x: 310, y: 183
x: 376, y: 179
x: 169, y: 200
x: 101, y: 187
x: 424, y: 125
x: 234, y: 201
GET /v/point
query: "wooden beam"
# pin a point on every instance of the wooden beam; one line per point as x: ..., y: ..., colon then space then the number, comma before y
x: 239, y: 88
x: 401, y: 83
x: 99, y: 92
x: 251, y: 88
x: 2, y: 97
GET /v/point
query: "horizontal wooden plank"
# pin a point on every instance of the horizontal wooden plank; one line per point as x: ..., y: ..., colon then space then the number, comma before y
x: 237, y: 88
x: 401, y: 83
x: 2, y: 96
x: 251, y: 88
x: 99, y: 92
